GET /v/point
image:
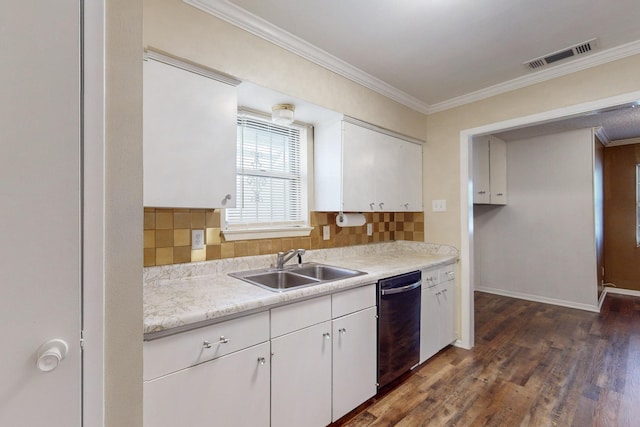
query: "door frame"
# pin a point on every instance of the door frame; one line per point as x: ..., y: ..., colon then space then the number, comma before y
x: 466, y: 196
x: 93, y: 221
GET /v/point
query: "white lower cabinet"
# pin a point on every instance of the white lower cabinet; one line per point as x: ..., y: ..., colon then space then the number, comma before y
x: 321, y: 372
x: 301, y: 377
x: 354, y: 360
x: 438, y: 311
x: 232, y: 391
x: 320, y: 363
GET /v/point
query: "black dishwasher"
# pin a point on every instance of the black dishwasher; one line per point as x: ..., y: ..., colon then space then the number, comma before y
x: 398, y: 325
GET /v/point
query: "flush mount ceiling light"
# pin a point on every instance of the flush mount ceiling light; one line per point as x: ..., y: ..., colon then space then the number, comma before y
x: 283, y: 114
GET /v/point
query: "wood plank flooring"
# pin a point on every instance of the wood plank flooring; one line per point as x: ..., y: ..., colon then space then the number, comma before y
x: 532, y: 365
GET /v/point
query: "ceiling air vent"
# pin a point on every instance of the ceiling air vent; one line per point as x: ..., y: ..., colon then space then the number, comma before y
x: 579, y: 49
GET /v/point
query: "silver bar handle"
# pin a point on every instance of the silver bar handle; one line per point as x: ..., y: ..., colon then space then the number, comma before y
x: 400, y: 290
x: 223, y: 340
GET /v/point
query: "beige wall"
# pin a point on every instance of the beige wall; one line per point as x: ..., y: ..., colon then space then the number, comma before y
x: 123, y: 215
x: 442, y: 150
x: 181, y: 30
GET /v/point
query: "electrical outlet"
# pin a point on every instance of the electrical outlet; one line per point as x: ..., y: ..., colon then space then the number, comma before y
x: 369, y: 229
x: 438, y: 205
x: 197, y: 239
x: 326, y: 232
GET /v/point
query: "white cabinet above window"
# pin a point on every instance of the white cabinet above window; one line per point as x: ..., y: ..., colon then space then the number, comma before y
x: 189, y: 135
x: 359, y: 168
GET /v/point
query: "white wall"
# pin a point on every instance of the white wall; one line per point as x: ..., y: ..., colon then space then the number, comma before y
x: 541, y: 244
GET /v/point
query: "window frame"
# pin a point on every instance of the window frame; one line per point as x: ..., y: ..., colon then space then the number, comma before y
x: 250, y: 231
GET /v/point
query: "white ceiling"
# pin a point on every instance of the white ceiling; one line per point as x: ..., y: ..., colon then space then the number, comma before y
x: 436, y: 54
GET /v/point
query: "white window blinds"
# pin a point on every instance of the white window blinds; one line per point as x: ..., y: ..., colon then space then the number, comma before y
x: 269, y: 175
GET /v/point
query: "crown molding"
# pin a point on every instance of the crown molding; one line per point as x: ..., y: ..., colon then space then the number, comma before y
x: 596, y: 58
x: 257, y: 26
x: 602, y: 135
x: 619, y: 142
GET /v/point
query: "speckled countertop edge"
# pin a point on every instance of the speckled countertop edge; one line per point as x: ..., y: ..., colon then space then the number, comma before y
x: 182, y: 296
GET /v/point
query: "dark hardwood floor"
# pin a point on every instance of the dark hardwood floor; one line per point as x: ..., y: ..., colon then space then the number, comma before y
x: 532, y: 365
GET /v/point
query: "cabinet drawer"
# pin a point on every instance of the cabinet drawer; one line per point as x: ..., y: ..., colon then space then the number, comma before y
x: 429, y: 278
x: 231, y: 391
x: 296, y: 316
x: 170, y: 354
x: 447, y: 273
x: 353, y: 300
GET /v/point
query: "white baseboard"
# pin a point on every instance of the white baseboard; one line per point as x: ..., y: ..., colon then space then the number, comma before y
x: 536, y: 298
x: 621, y: 291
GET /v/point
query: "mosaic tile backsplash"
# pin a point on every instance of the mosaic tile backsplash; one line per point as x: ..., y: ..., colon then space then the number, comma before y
x: 167, y: 235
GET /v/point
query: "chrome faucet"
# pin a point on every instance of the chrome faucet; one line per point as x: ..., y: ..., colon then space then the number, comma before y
x: 286, y: 256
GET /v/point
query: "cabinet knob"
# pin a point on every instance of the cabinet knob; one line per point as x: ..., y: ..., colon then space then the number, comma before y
x: 482, y: 192
x: 406, y: 205
x: 381, y: 205
x: 500, y: 194
x: 371, y: 205
x: 342, y: 330
x: 261, y: 360
x: 226, y: 198
x: 327, y: 336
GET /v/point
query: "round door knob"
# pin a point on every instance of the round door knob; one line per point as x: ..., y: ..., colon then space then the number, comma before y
x: 50, y: 354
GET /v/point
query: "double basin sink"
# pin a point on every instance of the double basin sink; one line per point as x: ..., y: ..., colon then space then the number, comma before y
x: 295, y: 277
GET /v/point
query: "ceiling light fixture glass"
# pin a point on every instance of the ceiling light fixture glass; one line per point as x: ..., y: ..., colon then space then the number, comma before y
x: 283, y: 114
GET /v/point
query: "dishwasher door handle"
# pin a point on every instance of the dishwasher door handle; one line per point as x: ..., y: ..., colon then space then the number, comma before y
x: 401, y: 289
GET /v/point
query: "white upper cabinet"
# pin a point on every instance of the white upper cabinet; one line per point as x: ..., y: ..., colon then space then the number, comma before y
x: 189, y: 135
x: 489, y: 171
x: 360, y: 169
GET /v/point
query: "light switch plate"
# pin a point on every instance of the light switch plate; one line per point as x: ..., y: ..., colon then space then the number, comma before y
x: 439, y: 205
x: 197, y: 239
x: 326, y: 232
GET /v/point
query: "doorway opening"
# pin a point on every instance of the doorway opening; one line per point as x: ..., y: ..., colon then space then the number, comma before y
x: 466, y: 190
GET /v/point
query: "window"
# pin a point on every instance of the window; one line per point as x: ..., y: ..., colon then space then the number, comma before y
x: 271, y: 180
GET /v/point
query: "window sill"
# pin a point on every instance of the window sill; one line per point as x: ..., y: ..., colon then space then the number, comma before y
x: 266, y: 233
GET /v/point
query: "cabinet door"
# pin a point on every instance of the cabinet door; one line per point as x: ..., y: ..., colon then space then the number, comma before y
x: 430, y: 321
x: 354, y: 360
x: 408, y: 189
x: 498, y: 171
x: 447, y: 300
x: 388, y: 163
x: 230, y: 391
x: 480, y: 157
x: 301, y: 378
x: 358, y: 169
x: 189, y: 139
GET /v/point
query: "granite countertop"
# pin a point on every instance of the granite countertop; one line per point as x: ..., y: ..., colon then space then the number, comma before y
x: 185, y: 296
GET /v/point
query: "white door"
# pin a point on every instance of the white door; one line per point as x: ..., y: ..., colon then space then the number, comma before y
x: 40, y: 210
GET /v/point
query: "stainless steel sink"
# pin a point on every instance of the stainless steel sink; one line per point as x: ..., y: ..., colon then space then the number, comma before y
x: 324, y: 272
x: 280, y: 280
x: 295, y: 277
